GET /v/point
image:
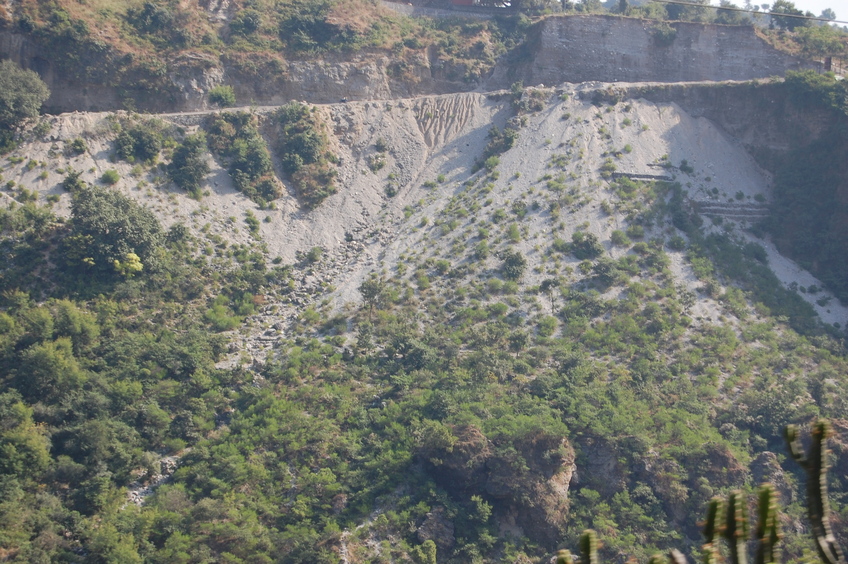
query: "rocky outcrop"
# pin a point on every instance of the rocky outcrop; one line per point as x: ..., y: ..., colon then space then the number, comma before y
x: 616, y: 49
x: 526, y: 479
x: 438, y: 528
x: 256, y: 79
x: 559, y: 49
x: 766, y: 468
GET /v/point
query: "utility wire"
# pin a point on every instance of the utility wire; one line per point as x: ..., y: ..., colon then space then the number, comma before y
x: 734, y: 9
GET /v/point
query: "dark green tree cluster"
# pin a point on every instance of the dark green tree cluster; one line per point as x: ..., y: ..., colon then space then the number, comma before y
x: 21, y: 94
x: 141, y: 141
x: 303, y: 149
x: 235, y: 136
x: 188, y: 166
x: 807, y: 209
x: 102, y: 376
x: 112, y: 234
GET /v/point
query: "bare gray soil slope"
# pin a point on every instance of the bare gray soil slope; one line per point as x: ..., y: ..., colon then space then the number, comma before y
x: 433, y: 144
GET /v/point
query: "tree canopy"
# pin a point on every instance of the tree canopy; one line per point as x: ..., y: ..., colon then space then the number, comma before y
x: 21, y: 94
x: 111, y: 232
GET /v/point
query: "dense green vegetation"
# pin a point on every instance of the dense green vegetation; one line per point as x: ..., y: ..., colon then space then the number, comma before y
x: 302, y: 147
x: 235, y: 136
x: 412, y: 437
x: 104, y: 368
x: 21, y: 94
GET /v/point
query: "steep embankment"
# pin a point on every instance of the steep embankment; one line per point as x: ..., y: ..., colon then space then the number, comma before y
x: 616, y: 49
x: 796, y: 130
x: 558, y: 48
x: 404, y: 200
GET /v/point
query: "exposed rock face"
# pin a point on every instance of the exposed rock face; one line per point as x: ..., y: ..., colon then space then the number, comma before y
x: 616, y: 49
x: 562, y: 49
x: 526, y: 480
x: 255, y: 80
x: 439, y: 529
x: 766, y: 468
x: 599, y: 467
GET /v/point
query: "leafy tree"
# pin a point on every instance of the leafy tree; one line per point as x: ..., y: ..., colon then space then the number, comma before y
x: 24, y: 450
x: 21, y: 94
x: 142, y: 142
x: 689, y: 12
x: 109, y: 227
x: 787, y: 21
x: 828, y: 14
x: 821, y: 41
x: 372, y: 291
x: 49, y: 370
x: 730, y: 17
x: 189, y: 166
x: 73, y: 181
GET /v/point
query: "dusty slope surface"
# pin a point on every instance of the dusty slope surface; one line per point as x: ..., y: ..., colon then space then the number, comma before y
x: 433, y: 144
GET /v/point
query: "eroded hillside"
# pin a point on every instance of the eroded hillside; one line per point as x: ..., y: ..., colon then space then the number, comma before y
x: 444, y: 328
x: 405, y: 160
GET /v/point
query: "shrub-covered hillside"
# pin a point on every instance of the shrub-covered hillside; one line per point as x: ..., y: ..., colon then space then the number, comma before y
x: 444, y: 329
x: 549, y: 344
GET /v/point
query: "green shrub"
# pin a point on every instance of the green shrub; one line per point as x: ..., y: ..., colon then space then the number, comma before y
x: 221, y: 316
x: 586, y: 245
x: 245, y: 22
x: 252, y: 222
x: 72, y: 181
x: 635, y: 231
x: 77, y: 146
x: 303, y: 149
x: 142, y: 141
x: 663, y: 34
x: 314, y: 255
x: 110, y: 177
x: 619, y: 238
x: 546, y: 326
x: 677, y: 243
x: 513, y: 265
x: 222, y: 96
x: 188, y: 166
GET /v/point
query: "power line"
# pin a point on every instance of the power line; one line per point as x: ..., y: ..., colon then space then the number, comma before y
x: 734, y: 9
